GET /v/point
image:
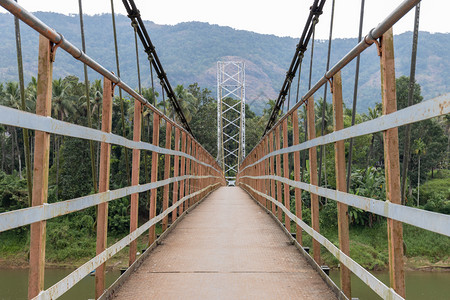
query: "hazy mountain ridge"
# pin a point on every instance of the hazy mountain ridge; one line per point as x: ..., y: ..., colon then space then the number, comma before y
x: 189, y: 53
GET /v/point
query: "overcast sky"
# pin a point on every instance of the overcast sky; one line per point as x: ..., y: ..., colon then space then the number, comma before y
x: 279, y: 17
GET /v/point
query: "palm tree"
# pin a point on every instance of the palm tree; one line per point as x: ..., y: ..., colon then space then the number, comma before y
x: 328, y: 117
x: 189, y: 104
x: 373, y: 114
x: 419, y: 150
x: 62, y: 106
x: 12, y: 99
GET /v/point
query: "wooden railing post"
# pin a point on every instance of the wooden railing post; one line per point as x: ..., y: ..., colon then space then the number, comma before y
x: 391, y: 162
x: 182, y: 171
x: 154, y: 177
x: 167, y: 159
x: 135, y: 177
x: 298, y: 192
x: 176, y: 162
x: 278, y: 168
x: 272, y: 172
x: 40, y: 170
x: 102, y: 209
x: 287, y: 197
x: 341, y: 182
x: 313, y: 177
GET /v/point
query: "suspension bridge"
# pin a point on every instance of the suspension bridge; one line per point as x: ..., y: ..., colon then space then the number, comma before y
x: 217, y: 241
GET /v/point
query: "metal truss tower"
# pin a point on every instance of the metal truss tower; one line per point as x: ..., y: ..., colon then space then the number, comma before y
x: 230, y: 116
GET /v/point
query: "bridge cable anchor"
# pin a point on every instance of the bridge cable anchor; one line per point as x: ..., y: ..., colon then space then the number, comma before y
x: 113, y: 86
x: 330, y: 81
x: 54, y: 47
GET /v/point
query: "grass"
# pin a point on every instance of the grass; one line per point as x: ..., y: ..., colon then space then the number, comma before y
x: 369, y: 246
x: 66, y: 246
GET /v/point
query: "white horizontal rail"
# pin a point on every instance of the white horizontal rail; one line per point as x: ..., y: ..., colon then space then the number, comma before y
x: 73, y: 278
x: 436, y: 222
x: 422, y: 111
x: 13, y: 219
x: 376, y: 285
x: 14, y: 117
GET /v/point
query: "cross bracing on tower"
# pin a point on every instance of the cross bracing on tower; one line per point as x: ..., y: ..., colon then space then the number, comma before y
x: 230, y: 116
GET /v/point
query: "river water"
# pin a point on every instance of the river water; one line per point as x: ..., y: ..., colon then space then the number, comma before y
x: 419, y: 285
x: 14, y: 283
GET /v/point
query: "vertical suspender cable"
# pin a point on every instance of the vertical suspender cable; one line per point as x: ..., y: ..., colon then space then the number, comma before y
x: 355, y: 96
x: 412, y: 79
x: 127, y: 167
x: 26, y: 138
x: 324, y: 103
x: 88, y: 101
x: 147, y: 179
x: 312, y: 52
x: 303, y: 156
x: 134, y: 24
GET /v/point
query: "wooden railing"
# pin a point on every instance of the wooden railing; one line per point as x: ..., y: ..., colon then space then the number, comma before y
x: 266, y: 178
x: 195, y: 172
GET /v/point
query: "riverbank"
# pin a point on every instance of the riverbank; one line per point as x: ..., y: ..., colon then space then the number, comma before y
x: 424, y: 251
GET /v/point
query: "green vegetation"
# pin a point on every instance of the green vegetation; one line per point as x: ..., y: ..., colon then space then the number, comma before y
x: 71, y: 238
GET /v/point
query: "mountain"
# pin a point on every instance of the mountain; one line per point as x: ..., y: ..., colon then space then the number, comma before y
x: 189, y: 53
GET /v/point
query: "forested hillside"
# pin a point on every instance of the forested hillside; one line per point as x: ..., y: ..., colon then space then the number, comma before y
x: 189, y: 53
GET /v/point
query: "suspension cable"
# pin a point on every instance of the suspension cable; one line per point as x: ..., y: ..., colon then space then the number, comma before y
x: 134, y: 14
x: 298, y: 79
x: 88, y: 101
x: 412, y: 79
x: 324, y: 103
x: 122, y: 112
x: 355, y: 97
x: 315, y: 12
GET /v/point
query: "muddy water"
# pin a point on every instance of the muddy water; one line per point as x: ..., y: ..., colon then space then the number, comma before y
x: 13, y: 283
x: 419, y: 285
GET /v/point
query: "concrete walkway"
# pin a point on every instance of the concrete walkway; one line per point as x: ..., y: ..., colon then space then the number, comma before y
x: 226, y: 248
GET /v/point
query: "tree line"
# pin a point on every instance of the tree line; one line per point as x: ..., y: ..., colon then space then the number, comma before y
x: 71, y: 173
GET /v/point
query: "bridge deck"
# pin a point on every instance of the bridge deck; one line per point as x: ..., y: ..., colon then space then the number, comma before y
x: 226, y: 248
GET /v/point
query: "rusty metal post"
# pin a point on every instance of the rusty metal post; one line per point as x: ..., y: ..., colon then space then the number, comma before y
x: 135, y: 178
x: 392, y: 164
x: 188, y: 169
x: 278, y: 168
x: 103, y: 185
x: 260, y: 172
x: 154, y: 178
x: 313, y: 177
x: 341, y: 182
x: 287, y: 196
x: 182, y: 171
x: 40, y: 170
x: 196, y: 171
x: 167, y: 174
x: 176, y: 163
x: 265, y: 170
x: 298, y: 192
x: 272, y: 171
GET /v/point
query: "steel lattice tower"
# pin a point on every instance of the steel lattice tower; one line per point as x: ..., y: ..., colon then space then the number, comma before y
x: 230, y: 116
